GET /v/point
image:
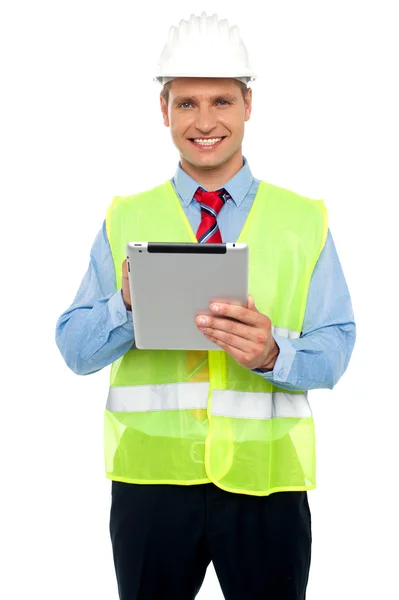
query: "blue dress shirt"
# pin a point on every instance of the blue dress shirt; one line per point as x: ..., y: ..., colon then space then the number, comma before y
x: 98, y: 329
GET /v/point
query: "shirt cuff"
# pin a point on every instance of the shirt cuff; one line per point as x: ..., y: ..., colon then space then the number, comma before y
x: 283, y: 363
x: 118, y: 312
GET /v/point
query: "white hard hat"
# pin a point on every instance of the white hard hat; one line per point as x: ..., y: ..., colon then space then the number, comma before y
x: 204, y: 47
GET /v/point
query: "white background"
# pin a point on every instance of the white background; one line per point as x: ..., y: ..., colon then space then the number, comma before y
x: 80, y: 123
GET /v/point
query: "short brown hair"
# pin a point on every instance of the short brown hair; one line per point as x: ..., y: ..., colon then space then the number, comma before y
x: 166, y: 87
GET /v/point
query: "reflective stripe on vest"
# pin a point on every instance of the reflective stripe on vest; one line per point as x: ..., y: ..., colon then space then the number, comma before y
x: 252, y: 405
x: 168, y: 396
x: 287, y: 333
x: 225, y: 403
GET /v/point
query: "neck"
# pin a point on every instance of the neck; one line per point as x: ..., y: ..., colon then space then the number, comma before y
x: 213, y: 178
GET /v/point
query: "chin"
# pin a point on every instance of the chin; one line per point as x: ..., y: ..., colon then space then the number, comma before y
x: 207, y: 160
x: 208, y: 163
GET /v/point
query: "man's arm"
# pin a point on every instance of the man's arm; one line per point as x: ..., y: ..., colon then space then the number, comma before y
x: 319, y: 358
x: 97, y: 328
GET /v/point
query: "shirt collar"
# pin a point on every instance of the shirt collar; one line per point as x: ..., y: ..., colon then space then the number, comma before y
x: 238, y: 186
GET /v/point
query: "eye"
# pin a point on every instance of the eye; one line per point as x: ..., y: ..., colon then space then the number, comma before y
x: 183, y: 103
x: 225, y: 101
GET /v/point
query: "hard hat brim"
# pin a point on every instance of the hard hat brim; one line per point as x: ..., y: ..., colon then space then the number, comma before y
x: 240, y: 75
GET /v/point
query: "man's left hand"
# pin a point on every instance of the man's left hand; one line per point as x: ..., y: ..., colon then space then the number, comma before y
x: 245, y: 333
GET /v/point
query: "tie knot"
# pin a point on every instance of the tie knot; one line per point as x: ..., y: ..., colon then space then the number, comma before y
x: 212, y: 201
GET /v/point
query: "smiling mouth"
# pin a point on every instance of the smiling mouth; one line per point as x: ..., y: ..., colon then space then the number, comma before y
x: 207, y: 142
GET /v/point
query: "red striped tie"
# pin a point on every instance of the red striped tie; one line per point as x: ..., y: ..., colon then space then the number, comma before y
x: 211, y: 203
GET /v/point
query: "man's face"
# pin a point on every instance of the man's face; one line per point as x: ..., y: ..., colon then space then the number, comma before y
x: 206, y: 109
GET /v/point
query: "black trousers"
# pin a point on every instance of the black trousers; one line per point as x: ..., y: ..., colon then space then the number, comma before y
x: 164, y: 537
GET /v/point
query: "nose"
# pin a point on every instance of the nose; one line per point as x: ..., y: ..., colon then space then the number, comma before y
x: 206, y: 119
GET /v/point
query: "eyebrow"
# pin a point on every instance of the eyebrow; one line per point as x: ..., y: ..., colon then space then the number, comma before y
x: 194, y: 99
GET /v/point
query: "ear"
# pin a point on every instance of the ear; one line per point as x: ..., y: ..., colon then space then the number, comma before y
x: 164, y: 111
x: 248, y: 104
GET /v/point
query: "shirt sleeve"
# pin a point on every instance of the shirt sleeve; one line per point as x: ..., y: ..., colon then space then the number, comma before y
x: 320, y: 356
x: 96, y: 329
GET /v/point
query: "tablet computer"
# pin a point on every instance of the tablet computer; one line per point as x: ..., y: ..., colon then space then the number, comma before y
x: 171, y: 283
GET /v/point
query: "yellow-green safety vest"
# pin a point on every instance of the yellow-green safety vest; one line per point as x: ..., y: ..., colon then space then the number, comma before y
x: 185, y: 418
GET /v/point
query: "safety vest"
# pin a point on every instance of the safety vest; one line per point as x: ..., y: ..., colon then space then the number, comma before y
x: 179, y: 417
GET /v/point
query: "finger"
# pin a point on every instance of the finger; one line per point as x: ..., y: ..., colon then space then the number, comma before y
x: 251, y: 303
x: 232, y: 328
x: 124, y: 269
x: 236, y: 353
x: 240, y: 313
x: 231, y: 340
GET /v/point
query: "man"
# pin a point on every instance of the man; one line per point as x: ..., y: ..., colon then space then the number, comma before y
x: 211, y: 456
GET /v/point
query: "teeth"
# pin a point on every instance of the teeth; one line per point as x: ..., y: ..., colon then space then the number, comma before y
x: 209, y: 142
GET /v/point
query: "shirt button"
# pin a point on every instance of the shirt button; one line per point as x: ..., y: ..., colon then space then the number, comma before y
x: 101, y: 338
x: 281, y: 372
x: 120, y: 316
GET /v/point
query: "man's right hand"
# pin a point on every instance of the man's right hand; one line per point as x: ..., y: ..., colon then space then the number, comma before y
x: 125, y: 286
